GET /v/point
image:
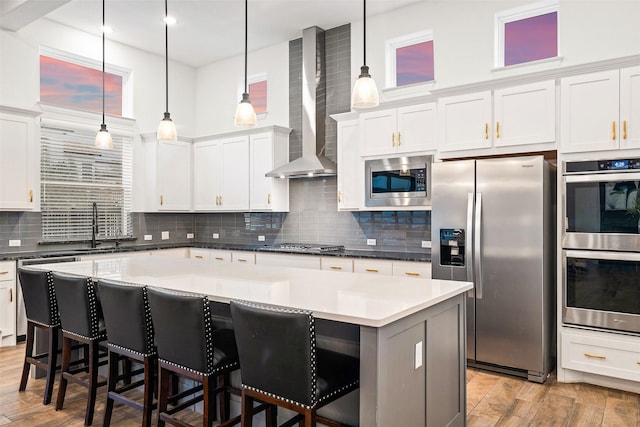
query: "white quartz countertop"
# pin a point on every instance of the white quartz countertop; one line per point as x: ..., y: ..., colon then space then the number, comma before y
x: 357, y: 298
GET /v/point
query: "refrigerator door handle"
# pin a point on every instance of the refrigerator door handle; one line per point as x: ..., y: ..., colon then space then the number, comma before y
x: 477, y: 254
x: 467, y: 239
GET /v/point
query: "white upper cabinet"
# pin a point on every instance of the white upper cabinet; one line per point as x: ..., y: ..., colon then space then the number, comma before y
x: 601, y: 111
x: 516, y: 118
x: 168, y: 175
x: 221, y: 174
x: 398, y: 130
x: 19, y: 161
x: 350, y: 167
x: 268, y: 151
x: 464, y: 122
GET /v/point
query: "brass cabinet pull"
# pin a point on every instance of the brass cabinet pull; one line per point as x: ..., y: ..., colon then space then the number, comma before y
x: 613, y: 130
x: 31, y: 195
x: 497, y: 129
x: 220, y: 200
x: 595, y: 356
x: 242, y: 260
x: 486, y: 131
x: 336, y: 267
x: 269, y: 198
x: 4, y: 272
x: 199, y: 256
x: 393, y: 139
x: 10, y: 295
x: 624, y: 129
x: 218, y: 258
x: 217, y: 200
x: 372, y: 270
x: 161, y: 200
x: 411, y: 273
x: 399, y: 140
x: 339, y: 196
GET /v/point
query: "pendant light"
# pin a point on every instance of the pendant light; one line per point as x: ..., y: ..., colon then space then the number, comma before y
x: 365, y: 92
x: 245, y: 114
x: 166, y: 128
x: 103, y: 137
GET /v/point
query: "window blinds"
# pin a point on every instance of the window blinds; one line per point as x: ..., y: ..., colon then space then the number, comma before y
x: 74, y: 175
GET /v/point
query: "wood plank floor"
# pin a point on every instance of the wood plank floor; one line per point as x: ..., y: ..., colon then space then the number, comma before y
x: 492, y: 400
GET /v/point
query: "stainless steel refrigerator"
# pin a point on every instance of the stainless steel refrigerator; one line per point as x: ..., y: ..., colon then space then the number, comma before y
x: 493, y: 223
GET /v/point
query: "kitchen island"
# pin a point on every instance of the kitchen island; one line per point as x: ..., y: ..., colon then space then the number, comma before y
x: 411, y: 336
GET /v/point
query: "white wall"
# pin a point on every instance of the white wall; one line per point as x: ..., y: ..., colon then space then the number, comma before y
x: 20, y: 79
x: 220, y: 86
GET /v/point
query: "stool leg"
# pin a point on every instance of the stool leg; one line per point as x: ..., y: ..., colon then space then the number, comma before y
x: 93, y: 382
x: 246, y: 416
x: 149, y: 371
x: 209, y: 401
x: 27, y: 354
x: 66, y: 358
x: 111, y: 386
x: 271, y: 414
x: 163, y: 393
x: 52, y: 361
x: 223, y: 397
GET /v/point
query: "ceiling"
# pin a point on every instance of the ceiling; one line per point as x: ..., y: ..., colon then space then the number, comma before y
x: 206, y: 30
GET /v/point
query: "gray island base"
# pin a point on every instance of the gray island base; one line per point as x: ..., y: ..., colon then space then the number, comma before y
x: 411, y: 331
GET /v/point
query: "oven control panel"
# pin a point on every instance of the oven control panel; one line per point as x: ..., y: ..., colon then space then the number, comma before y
x: 602, y: 165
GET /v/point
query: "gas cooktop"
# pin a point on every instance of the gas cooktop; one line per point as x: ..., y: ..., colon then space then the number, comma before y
x: 304, y: 247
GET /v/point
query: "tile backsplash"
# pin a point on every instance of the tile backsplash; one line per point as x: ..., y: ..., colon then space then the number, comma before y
x: 313, y: 216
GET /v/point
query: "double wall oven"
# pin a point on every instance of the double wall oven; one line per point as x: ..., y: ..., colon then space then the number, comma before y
x: 601, y: 244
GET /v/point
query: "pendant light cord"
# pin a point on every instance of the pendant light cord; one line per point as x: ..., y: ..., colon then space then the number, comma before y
x: 364, y: 32
x: 246, y: 18
x: 103, y: 28
x: 166, y: 55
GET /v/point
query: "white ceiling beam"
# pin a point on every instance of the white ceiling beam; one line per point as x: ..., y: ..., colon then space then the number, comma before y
x: 16, y: 14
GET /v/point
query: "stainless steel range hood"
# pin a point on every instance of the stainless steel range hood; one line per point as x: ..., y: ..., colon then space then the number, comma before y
x: 312, y: 163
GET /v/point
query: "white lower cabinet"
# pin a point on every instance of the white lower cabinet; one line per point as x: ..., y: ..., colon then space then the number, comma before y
x: 288, y: 260
x: 7, y: 303
x: 601, y: 353
x: 243, y: 257
x: 344, y: 265
x: 412, y: 269
x: 373, y: 266
x: 217, y: 255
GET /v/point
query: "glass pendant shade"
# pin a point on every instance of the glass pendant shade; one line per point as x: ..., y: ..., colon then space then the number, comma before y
x: 103, y: 138
x: 167, y: 129
x: 245, y: 114
x: 365, y: 91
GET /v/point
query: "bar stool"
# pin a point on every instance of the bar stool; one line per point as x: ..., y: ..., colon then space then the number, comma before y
x: 188, y: 346
x: 42, y: 313
x: 281, y: 365
x: 81, y: 319
x: 130, y: 336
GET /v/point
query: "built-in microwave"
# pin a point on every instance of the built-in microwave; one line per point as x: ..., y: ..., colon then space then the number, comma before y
x: 398, y: 181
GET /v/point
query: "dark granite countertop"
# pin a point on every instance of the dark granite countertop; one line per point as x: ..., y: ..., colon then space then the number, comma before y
x: 348, y: 253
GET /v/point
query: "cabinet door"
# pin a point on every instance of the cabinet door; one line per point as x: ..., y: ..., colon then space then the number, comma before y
x: 7, y: 303
x: 379, y: 267
x: 412, y: 269
x: 206, y: 175
x: 589, y: 112
x: 350, y: 167
x: 17, y: 162
x: 630, y: 107
x: 525, y: 114
x: 464, y: 122
x: 173, y: 175
x: 261, y: 162
x: 416, y: 128
x: 378, y: 132
x: 234, y: 191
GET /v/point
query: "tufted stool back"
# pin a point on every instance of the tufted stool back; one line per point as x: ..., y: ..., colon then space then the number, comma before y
x: 80, y: 311
x: 39, y: 296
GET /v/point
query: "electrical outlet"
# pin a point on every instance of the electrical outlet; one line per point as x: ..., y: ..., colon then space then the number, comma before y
x: 165, y: 235
x: 190, y: 235
x: 260, y: 238
x: 426, y: 243
x: 216, y: 236
x: 371, y: 242
x: 148, y: 237
x: 15, y: 242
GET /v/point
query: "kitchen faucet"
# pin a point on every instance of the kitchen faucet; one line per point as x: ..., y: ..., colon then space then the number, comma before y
x: 94, y: 226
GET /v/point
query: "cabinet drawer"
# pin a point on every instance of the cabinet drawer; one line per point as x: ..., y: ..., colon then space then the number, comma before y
x: 195, y: 253
x: 7, y: 270
x: 337, y: 264
x: 412, y: 269
x: 612, y: 357
x: 243, y: 257
x: 373, y: 267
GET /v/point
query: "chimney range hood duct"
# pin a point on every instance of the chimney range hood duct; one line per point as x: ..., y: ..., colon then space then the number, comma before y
x: 312, y: 163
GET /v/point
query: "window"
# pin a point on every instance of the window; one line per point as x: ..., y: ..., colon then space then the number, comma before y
x: 258, y: 96
x: 410, y: 59
x: 74, y: 175
x: 527, y: 34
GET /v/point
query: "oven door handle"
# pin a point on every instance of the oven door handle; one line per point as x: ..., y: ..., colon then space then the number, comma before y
x: 603, y: 177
